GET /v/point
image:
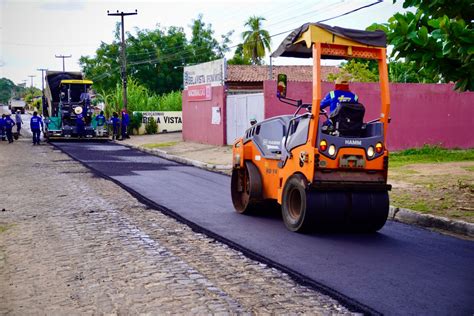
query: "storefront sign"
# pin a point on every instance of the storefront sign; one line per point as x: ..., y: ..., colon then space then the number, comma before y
x: 167, y: 121
x: 211, y: 73
x: 200, y: 92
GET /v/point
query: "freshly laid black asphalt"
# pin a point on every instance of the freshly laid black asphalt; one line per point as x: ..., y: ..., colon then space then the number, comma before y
x: 402, y: 270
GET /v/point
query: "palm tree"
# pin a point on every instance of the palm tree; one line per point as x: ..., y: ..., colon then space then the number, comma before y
x: 255, y: 40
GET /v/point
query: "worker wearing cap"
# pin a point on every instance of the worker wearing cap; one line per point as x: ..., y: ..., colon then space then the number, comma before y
x: 36, y: 125
x: 80, y: 125
x: 79, y: 121
x: 340, y: 94
x: 9, y: 123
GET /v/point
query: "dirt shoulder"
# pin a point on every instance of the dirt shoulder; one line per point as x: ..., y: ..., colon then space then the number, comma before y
x: 440, y: 189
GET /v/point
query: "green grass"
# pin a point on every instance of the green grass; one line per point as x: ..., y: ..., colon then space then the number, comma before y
x: 159, y: 145
x: 471, y: 168
x: 429, y: 154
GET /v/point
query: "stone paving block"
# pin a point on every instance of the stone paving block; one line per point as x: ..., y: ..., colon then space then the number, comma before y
x: 75, y: 243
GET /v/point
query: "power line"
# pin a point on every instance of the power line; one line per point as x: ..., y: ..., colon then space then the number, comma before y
x: 182, y: 56
x: 278, y: 11
x: 352, y: 11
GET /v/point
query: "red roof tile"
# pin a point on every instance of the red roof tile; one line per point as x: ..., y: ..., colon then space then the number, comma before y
x: 253, y: 73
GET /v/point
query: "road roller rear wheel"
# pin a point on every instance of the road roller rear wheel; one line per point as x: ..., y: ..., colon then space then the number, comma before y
x: 295, y: 210
x: 246, y: 188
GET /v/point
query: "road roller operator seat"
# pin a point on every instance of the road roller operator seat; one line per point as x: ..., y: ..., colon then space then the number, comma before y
x: 347, y: 119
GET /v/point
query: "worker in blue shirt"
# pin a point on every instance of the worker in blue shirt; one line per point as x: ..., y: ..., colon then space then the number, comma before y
x: 2, y: 127
x: 85, y: 99
x: 9, y: 123
x: 36, y: 125
x: 80, y: 125
x: 115, y: 122
x: 100, y: 123
x: 340, y: 94
x: 125, y: 122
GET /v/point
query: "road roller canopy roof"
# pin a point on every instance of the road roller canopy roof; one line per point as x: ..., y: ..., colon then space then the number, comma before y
x: 74, y: 81
x: 298, y: 43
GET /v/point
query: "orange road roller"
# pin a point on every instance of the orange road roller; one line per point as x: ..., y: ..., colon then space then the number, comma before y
x: 327, y: 171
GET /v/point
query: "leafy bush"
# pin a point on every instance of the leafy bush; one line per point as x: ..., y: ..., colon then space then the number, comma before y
x: 37, y: 105
x: 151, y: 127
x: 171, y: 101
x: 139, y: 98
x: 135, y: 122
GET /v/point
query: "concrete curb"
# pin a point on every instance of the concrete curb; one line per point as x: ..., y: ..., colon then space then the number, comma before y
x: 402, y: 215
x: 224, y: 169
x: 407, y: 216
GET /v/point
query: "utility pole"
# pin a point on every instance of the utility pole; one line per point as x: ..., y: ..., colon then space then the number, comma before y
x: 124, y: 60
x: 31, y: 76
x: 43, y: 101
x: 63, y: 57
x: 270, y: 70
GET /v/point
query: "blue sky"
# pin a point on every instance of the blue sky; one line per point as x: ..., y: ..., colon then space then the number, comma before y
x: 33, y: 32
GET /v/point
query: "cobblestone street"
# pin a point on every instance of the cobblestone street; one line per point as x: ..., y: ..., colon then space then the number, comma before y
x: 71, y: 242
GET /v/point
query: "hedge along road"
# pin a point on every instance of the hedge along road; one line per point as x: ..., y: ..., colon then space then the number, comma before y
x: 402, y: 270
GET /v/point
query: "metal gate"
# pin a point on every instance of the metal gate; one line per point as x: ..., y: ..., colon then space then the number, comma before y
x: 241, y: 108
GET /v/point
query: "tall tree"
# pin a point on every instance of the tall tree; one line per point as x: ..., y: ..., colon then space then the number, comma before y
x: 6, y: 90
x: 155, y: 58
x: 239, y: 58
x: 203, y: 44
x: 356, y: 70
x: 256, y: 40
x: 402, y: 71
x: 438, y: 38
x: 104, y: 67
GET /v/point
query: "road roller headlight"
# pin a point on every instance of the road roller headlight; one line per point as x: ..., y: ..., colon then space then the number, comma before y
x: 323, y: 145
x: 370, y: 151
x: 379, y: 148
x: 332, y: 150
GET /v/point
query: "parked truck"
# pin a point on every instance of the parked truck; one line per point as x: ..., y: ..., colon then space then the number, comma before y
x: 17, y: 105
x: 67, y: 102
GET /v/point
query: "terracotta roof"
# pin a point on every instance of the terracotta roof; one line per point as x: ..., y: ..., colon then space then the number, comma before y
x: 253, y: 73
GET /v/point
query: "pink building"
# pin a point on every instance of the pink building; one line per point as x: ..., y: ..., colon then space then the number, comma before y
x: 420, y: 113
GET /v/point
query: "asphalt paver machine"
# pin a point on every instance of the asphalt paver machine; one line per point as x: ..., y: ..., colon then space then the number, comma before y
x: 324, y: 175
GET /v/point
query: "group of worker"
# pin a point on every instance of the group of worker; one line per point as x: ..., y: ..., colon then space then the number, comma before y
x: 119, y: 125
x: 7, y: 124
